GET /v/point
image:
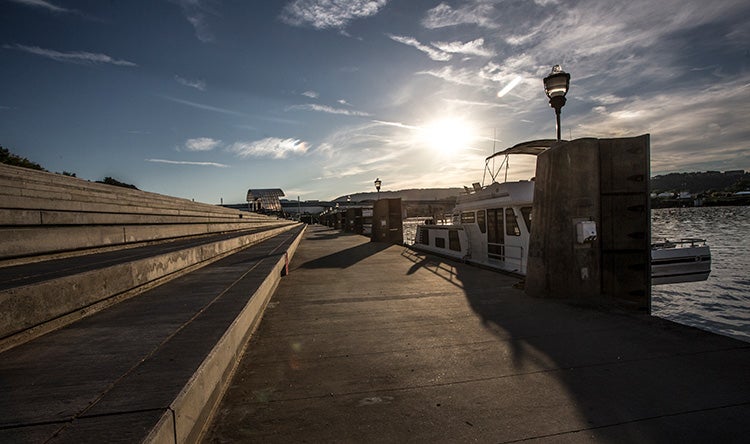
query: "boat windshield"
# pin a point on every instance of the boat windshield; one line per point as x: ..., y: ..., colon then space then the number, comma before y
x: 534, y: 148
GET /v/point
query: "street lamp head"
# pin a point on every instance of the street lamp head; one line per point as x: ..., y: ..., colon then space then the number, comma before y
x: 377, y: 184
x: 556, y: 84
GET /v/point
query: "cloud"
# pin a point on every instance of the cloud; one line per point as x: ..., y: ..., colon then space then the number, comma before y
x: 201, y: 144
x: 311, y: 94
x: 476, y: 13
x: 512, y: 84
x: 474, y: 47
x: 328, y: 109
x: 205, y: 107
x: 272, y: 147
x: 197, y: 84
x: 433, y: 53
x: 42, y: 4
x: 327, y: 14
x: 185, y: 162
x: 70, y: 57
x: 459, y: 76
x: 688, y: 127
x: 196, y: 12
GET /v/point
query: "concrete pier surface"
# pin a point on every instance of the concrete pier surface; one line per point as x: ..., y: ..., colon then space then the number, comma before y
x: 365, y: 342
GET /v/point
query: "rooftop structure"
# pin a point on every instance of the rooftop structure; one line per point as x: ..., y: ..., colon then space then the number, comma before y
x: 264, y: 199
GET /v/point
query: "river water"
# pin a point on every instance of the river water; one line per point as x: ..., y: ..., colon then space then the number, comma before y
x: 720, y: 304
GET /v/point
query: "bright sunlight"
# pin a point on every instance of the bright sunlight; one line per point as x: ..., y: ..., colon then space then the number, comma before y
x: 448, y: 136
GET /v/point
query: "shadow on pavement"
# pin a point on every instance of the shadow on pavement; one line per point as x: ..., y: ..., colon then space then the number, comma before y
x: 629, y: 376
x: 347, y: 258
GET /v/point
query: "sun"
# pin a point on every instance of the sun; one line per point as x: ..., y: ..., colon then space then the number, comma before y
x: 448, y: 136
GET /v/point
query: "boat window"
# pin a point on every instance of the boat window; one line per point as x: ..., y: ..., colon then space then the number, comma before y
x: 511, y: 223
x: 482, y: 221
x: 467, y: 217
x: 453, y: 242
x: 440, y: 242
x: 526, y: 213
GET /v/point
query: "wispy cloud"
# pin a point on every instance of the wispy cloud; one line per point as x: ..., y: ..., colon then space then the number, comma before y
x: 476, y: 103
x: 70, y: 57
x: 197, y: 12
x: 272, y: 147
x: 475, y: 13
x: 197, y: 84
x: 474, y: 47
x: 311, y: 94
x: 328, y: 109
x: 433, y: 53
x: 186, y: 162
x: 43, y: 4
x: 328, y: 14
x: 459, y: 76
x: 509, y: 87
x: 396, y: 124
x: 204, y: 106
x: 201, y: 144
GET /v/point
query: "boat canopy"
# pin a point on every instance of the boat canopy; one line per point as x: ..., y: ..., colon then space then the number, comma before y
x: 534, y: 147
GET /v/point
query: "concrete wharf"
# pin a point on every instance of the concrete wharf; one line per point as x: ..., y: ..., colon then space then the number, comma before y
x: 365, y: 342
x: 124, y: 315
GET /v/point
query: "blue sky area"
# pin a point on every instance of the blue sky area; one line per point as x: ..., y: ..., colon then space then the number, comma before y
x: 204, y: 99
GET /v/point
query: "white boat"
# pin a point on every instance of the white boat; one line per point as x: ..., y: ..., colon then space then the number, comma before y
x: 491, y: 226
x: 492, y: 223
x: 686, y: 260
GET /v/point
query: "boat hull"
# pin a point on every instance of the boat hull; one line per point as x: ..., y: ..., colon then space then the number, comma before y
x: 680, y: 264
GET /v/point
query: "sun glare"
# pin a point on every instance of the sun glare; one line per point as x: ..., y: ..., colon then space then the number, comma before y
x: 448, y: 136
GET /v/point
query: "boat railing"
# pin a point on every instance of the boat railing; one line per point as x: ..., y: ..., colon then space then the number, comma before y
x: 682, y: 243
x: 504, y: 256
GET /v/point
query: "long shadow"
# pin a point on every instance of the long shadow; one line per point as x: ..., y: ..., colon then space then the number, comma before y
x: 347, y: 258
x: 629, y: 377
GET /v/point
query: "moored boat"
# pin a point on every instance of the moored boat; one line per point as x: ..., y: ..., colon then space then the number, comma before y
x: 686, y: 260
x: 491, y: 226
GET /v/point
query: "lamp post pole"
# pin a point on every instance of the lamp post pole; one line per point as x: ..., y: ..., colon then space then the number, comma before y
x: 378, y: 182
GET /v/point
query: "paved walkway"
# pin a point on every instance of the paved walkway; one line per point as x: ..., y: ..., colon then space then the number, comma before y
x: 368, y: 343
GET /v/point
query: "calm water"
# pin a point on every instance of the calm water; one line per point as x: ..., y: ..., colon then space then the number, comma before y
x: 720, y: 304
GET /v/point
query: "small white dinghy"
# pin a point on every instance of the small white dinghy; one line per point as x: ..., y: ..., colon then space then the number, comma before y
x: 686, y: 260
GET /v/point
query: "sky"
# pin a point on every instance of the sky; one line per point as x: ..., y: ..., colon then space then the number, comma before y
x: 205, y: 99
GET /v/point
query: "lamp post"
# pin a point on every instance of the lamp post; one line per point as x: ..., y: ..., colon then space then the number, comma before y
x: 556, y: 86
x: 378, y: 182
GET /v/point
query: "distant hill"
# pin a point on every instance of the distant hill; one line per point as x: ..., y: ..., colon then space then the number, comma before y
x: 695, y: 183
x: 702, y: 182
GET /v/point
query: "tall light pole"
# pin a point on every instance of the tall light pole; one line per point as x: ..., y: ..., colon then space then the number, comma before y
x: 556, y: 86
x: 378, y: 182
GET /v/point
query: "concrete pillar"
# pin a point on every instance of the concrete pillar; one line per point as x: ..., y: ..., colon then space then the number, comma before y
x: 387, y: 221
x: 604, y: 181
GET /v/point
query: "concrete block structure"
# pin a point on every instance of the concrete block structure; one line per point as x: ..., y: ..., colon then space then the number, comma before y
x: 599, y: 185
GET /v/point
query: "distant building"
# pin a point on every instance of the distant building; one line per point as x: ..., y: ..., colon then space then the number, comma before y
x: 264, y: 199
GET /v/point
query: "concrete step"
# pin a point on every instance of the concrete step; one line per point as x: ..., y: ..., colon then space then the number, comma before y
x: 15, y: 181
x: 22, y: 242
x: 149, y: 369
x: 43, y: 213
x: 39, y: 297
